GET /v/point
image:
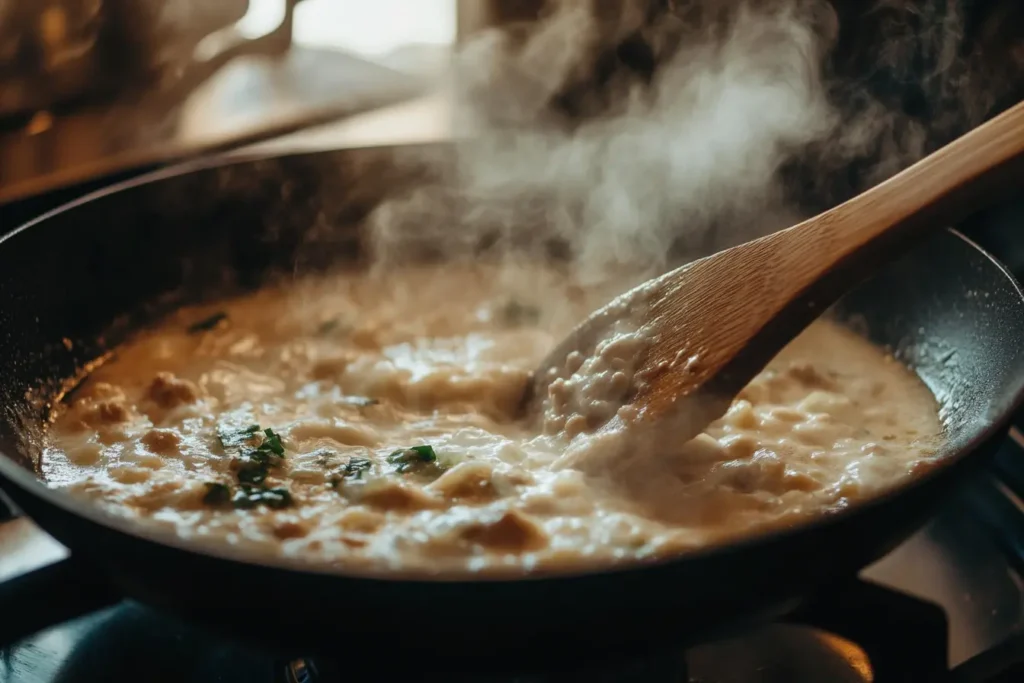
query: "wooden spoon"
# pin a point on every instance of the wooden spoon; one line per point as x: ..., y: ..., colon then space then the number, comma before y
x: 710, y: 326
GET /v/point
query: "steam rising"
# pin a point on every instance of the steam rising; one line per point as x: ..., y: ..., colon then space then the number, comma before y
x: 570, y: 153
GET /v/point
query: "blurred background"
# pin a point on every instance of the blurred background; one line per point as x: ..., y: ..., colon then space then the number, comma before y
x: 91, y: 90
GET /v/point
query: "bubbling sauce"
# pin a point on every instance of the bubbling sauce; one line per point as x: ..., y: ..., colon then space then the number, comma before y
x: 360, y: 422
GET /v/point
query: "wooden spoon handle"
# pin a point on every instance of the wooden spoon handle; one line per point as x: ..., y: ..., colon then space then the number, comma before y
x: 757, y: 295
x: 947, y: 185
x: 937, y: 191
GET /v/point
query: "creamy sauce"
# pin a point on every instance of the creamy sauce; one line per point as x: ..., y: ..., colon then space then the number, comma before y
x: 386, y: 440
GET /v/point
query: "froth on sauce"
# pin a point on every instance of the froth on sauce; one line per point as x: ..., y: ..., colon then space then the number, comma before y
x: 356, y: 376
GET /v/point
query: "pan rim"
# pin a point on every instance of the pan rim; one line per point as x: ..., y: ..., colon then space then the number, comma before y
x: 32, y: 485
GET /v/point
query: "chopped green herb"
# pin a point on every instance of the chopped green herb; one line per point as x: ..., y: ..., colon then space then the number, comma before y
x: 516, y: 313
x: 259, y: 456
x: 255, y: 465
x: 356, y: 467
x: 248, y: 497
x: 252, y: 472
x: 207, y: 324
x: 272, y: 442
x: 258, y: 453
x: 361, y: 401
x: 269, y: 444
x: 216, y: 494
x: 408, y: 458
x: 237, y: 437
x: 353, y: 470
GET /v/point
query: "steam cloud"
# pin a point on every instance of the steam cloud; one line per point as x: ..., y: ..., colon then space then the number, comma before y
x: 620, y: 170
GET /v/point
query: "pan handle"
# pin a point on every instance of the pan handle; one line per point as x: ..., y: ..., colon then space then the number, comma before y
x: 49, y: 596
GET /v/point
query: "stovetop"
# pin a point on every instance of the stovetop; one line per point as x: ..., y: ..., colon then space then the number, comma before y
x: 948, y: 605
x: 887, y: 627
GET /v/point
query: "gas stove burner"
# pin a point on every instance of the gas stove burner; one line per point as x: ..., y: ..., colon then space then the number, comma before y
x: 854, y: 633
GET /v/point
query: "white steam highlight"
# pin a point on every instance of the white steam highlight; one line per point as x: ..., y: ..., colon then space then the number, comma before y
x: 689, y: 161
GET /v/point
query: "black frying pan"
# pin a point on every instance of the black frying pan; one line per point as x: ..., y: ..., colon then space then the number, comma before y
x: 120, y: 257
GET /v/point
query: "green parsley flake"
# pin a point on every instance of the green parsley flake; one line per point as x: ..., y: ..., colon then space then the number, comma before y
x: 408, y: 458
x: 216, y: 493
x: 356, y: 467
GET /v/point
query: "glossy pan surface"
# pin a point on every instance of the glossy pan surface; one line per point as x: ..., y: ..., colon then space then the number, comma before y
x: 952, y: 314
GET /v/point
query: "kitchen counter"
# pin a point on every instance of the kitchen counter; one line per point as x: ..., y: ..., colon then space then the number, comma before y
x: 251, y: 99
x: 424, y: 119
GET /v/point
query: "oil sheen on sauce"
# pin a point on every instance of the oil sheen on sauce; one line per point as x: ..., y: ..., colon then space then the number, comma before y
x: 358, y: 422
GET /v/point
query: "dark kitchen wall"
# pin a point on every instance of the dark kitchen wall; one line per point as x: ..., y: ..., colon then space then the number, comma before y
x: 908, y: 74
